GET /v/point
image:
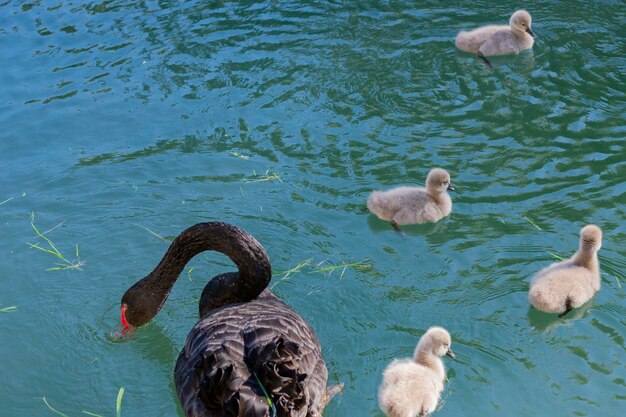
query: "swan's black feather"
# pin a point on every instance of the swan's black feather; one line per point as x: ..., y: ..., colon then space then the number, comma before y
x: 263, y: 337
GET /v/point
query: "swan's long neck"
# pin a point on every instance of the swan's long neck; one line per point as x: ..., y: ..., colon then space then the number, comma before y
x: 439, y: 196
x: 244, y: 250
x: 425, y: 357
x: 431, y: 361
x: 587, y: 258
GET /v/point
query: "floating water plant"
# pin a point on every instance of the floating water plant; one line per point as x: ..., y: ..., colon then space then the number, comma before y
x: 118, y: 402
x: 267, y: 397
x: 52, y: 250
x: 560, y: 258
x: 285, y: 275
x: 54, y: 410
x: 269, y: 176
x: 155, y: 234
x: 289, y: 272
x: 189, y: 273
x: 6, y: 201
x: 532, y: 223
x: 332, y: 268
x: 239, y: 155
x: 118, y: 406
x: 11, y: 309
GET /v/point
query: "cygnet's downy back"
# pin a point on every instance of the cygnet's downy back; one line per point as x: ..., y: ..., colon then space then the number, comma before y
x: 412, y: 205
x: 569, y: 284
x: 412, y: 387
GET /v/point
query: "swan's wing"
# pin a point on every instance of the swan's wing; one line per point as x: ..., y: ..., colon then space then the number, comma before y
x: 224, y: 393
x: 430, y: 212
x: 231, y: 352
x: 502, y: 42
x: 209, y: 380
x: 470, y: 41
x: 416, y: 206
x: 282, y: 350
x: 277, y: 364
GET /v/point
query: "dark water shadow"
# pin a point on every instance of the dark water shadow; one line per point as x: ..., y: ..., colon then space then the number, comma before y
x: 150, y: 342
x: 188, y: 144
x: 547, y: 322
x: 378, y: 226
x: 154, y: 344
x: 522, y: 63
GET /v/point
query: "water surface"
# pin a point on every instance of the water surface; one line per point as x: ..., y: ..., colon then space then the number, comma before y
x: 122, y: 123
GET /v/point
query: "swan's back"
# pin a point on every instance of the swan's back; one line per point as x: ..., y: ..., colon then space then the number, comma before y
x: 562, y: 283
x: 386, y: 203
x: 471, y: 41
x: 408, y: 205
x: 408, y: 389
x: 225, y: 352
x: 504, y: 42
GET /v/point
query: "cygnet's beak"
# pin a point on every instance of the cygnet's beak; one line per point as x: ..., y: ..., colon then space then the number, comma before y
x: 530, y: 32
x: 451, y: 187
x: 450, y: 353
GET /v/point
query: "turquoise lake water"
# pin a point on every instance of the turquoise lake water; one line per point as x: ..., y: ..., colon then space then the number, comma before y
x: 122, y: 123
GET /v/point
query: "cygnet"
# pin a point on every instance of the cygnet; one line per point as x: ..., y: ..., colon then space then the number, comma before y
x: 569, y: 284
x: 412, y: 387
x: 499, y: 39
x: 411, y: 205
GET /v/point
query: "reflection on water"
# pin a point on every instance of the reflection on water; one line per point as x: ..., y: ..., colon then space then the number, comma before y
x: 129, y: 121
x: 548, y: 322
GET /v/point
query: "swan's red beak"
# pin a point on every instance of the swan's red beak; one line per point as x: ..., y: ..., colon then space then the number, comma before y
x: 127, y: 328
x: 125, y: 325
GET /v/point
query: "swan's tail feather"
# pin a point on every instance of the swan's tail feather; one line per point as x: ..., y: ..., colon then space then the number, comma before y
x: 276, y: 364
x: 252, y: 406
x: 217, y: 389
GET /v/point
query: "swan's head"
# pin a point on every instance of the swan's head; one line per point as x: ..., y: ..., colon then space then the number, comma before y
x: 521, y: 22
x: 436, y: 341
x: 438, y: 181
x: 139, y: 304
x: 591, y: 238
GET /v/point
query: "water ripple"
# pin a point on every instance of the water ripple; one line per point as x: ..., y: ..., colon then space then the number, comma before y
x: 161, y: 114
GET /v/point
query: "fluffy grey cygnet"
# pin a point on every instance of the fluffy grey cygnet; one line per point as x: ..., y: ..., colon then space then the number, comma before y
x: 569, y: 284
x: 412, y: 387
x: 411, y: 205
x: 499, y: 39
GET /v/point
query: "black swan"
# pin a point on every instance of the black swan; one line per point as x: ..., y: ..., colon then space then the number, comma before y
x: 250, y: 355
